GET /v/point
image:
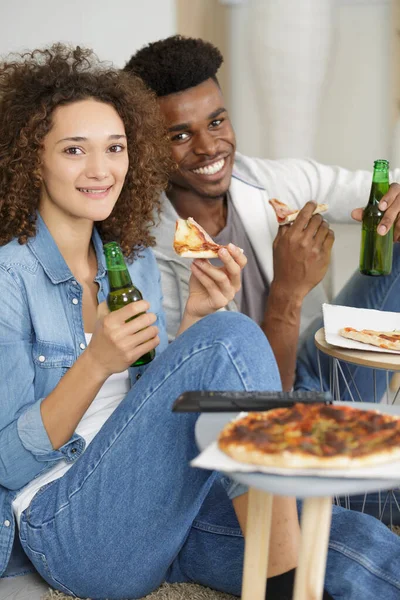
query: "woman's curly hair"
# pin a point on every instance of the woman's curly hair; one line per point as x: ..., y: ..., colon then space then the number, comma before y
x: 32, y: 86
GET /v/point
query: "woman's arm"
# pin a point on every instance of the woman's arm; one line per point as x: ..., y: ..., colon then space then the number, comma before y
x: 115, y: 345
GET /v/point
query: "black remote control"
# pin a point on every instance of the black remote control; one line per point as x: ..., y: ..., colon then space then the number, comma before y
x: 249, y: 401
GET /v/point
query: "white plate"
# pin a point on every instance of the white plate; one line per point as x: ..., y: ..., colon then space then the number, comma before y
x: 336, y: 317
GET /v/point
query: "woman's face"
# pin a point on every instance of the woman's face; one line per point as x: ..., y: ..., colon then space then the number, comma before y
x: 84, y: 161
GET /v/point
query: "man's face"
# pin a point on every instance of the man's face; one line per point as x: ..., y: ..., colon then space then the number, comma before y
x: 202, y: 139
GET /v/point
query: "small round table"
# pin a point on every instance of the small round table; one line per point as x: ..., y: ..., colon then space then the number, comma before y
x: 316, y: 514
x: 363, y: 358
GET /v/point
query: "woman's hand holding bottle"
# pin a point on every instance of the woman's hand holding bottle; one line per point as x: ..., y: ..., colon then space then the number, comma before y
x: 117, y: 341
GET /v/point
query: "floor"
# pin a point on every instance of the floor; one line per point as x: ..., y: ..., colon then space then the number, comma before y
x: 28, y: 587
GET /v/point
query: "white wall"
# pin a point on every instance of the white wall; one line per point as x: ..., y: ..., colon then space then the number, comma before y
x: 353, y: 124
x: 114, y: 28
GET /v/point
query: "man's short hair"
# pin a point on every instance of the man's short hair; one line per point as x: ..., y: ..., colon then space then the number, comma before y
x: 175, y: 64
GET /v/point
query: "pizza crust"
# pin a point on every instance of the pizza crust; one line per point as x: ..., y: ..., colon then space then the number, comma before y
x: 388, y: 340
x: 289, y: 460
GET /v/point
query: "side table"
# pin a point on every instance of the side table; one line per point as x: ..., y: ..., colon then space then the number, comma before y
x: 364, y: 358
x: 374, y: 360
x: 317, y: 493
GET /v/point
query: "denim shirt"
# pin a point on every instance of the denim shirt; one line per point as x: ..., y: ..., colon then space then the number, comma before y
x: 41, y: 336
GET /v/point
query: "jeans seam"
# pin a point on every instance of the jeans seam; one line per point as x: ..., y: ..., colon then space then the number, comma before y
x: 208, y: 528
x: 193, y: 352
x: 364, y: 562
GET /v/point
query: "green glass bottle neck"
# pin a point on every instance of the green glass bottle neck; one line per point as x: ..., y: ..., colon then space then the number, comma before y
x: 381, y: 172
x: 119, y: 279
x: 380, y: 182
x: 118, y: 274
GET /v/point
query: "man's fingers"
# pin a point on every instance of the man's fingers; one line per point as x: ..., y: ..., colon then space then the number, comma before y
x: 321, y: 234
x: 390, y: 216
x: 357, y: 214
x: 304, y: 216
x: 390, y: 197
x: 328, y: 243
x: 312, y: 228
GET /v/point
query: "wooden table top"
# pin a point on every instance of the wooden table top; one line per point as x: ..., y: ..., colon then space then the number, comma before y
x: 366, y: 358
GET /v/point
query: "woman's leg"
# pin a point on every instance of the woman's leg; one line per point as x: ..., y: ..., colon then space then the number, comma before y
x: 113, y: 525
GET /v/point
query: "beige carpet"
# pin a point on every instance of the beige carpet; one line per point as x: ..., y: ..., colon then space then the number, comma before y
x: 177, y: 591
x: 171, y: 591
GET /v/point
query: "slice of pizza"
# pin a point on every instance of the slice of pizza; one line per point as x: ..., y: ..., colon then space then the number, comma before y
x: 192, y: 241
x: 285, y: 214
x: 389, y: 340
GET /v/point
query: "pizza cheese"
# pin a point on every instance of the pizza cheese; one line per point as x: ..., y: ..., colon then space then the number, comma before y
x: 285, y: 214
x: 313, y: 436
x: 192, y: 241
x: 389, y: 340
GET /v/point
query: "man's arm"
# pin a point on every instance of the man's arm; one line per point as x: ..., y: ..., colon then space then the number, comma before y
x: 301, y: 259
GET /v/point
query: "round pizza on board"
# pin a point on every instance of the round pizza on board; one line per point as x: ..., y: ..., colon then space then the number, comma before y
x: 315, y: 436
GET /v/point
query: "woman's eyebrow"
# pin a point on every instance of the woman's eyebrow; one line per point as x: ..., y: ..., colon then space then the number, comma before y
x: 79, y: 138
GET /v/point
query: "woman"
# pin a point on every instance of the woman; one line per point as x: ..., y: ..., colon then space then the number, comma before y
x: 94, y: 465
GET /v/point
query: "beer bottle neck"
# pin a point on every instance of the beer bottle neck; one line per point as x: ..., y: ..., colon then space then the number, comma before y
x: 118, y: 274
x: 119, y: 278
x: 380, y: 181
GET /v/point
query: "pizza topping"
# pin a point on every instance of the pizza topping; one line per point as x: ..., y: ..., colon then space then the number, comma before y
x: 285, y: 214
x: 389, y: 340
x: 191, y: 240
x: 314, y: 433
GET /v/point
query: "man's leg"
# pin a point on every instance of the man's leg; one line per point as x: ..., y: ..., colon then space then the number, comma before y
x: 361, y: 291
x: 363, y: 555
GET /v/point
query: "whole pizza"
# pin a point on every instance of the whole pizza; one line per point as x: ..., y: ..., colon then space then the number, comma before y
x: 313, y: 436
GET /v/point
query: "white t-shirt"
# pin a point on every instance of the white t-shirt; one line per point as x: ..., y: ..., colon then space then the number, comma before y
x: 108, y: 398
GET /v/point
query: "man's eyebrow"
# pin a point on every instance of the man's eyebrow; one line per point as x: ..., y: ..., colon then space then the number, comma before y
x: 179, y: 127
x: 217, y: 112
x: 185, y: 126
x: 78, y: 138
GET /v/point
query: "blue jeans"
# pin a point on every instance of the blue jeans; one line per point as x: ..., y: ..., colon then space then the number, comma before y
x: 131, y: 513
x: 361, y: 291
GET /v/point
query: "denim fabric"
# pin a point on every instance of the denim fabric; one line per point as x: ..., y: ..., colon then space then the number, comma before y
x: 361, y: 291
x: 41, y: 332
x: 132, y: 505
x: 127, y: 506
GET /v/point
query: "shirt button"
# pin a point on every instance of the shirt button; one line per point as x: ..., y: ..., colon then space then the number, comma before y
x: 7, y: 523
x: 74, y: 282
x: 42, y: 358
x: 73, y: 450
x: 138, y: 376
x: 82, y: 346
x: 74, y: 301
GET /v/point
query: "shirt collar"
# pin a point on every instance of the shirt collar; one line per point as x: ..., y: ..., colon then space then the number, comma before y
x: 47, y: 253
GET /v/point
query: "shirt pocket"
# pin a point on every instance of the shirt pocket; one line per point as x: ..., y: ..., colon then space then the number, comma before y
x: 48, y: 355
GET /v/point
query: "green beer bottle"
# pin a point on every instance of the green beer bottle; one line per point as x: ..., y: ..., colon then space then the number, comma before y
x: 122, y: 290
x: 376, y: 250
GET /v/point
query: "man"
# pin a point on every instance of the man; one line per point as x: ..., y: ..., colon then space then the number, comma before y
x: 227, y: 194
